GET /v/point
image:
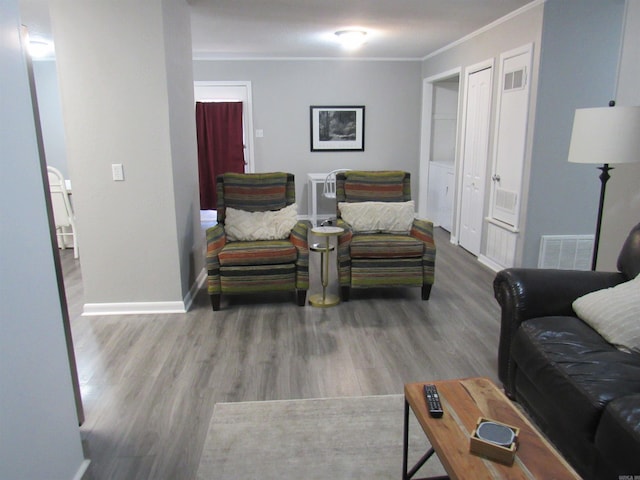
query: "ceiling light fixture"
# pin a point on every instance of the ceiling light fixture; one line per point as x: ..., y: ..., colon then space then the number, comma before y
x: 351, y: 39
x: 40, y: 48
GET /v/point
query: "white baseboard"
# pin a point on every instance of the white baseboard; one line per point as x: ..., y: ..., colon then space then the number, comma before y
x: 143, y: 308
x: 487, y: 262
x: 82, y: 471
x: 197, y: 285
x: 132, y: 308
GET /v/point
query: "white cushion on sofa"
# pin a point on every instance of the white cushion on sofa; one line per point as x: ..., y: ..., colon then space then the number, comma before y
x: 614, y: 313
x: 246, y: 226
x: 373, y: 217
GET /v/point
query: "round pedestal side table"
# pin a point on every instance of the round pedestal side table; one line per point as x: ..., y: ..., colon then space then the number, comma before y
x: 324, y: 299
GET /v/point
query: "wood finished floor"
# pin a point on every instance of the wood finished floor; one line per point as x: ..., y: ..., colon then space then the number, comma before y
x: 149, y: 382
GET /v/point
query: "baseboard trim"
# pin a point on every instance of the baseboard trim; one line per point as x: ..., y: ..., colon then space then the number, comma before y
x: 197, y: 285
x: 143, y: 308
x: 132, y: 308
x: 83, y: 471
x: 487, y: 262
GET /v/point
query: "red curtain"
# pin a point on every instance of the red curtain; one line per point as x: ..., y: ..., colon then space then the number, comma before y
x: 220, y: 145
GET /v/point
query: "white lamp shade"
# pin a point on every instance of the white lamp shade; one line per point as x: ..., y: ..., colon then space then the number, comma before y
x: 606, y: 135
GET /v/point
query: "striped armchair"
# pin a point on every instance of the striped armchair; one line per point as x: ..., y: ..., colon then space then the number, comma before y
x: 368, y: 260
x: 244, y: 267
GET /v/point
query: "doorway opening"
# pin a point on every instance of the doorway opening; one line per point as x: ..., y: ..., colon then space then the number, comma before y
x: 229, y: 91
x: 439, y: 146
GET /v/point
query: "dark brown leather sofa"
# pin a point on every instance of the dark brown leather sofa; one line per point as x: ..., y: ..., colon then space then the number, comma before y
x: 582, y: 392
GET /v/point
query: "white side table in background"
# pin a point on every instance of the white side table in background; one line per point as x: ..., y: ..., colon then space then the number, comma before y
x: 315, y: 179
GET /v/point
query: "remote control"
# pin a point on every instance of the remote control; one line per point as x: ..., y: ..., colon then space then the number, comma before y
x: 433, y: 401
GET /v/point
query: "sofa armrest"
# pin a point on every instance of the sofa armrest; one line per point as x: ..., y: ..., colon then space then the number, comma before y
x: 529, y: 293
x: 216, y: 239
x: 525, y: 293
x: 344, y: 254
x: 300, y: 238
x: 423, y: 231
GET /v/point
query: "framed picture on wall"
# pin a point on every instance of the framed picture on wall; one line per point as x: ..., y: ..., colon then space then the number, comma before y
x: 337, y: 129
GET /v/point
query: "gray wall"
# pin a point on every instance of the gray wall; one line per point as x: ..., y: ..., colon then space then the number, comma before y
x: 622, y: 203
x: 39, y: 436
x: 140, y: 240
x: 283, y: 91
x: 182, y: 135
x: 282, y: 94
x: 578, y: 68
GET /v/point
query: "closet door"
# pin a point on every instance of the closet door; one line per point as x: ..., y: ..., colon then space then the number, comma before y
x: 474, y: 158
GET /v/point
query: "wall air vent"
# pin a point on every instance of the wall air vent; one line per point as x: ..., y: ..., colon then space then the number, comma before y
x: 566, y: 252
x: 514, y: 80
x: 506, y: 201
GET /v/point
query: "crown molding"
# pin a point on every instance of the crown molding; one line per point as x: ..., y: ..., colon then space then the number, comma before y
x: 214, y: 58
x: 489, y: 26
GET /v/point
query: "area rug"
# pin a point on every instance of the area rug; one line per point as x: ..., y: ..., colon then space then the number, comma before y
x: 332, y: 438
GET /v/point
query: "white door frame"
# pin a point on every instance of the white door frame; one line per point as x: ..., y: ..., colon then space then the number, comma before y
x: 247, y: 112
x: 425, y: 134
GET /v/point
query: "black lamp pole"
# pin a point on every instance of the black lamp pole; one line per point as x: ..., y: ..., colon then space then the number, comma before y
x: 604, y: 176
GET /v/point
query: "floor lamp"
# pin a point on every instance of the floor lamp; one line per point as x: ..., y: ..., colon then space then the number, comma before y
x: 605, y: 135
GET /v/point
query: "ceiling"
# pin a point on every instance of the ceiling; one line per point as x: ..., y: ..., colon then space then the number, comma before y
x: 396, y: 29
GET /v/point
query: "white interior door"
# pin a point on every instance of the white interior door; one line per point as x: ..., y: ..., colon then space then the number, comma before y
x: 511, y: 135
x: 232, y: 92
x: 474, y: 158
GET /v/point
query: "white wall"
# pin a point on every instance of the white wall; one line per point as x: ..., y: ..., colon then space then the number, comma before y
x: 39, y: 435
x: 284, y: 90
x: 622, y: 203
x: 127, y: 97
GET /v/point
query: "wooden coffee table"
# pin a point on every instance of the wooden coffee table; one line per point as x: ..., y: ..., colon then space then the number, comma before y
x: 463, y: 402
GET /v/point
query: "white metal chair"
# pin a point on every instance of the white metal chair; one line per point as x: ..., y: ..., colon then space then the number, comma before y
x: 329, y: 190
x: 62, y: 211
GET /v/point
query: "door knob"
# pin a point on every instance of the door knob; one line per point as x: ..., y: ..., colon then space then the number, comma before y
x: 496, y: 178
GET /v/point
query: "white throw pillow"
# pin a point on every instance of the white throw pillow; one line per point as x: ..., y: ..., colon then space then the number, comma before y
x: 374, y: 217
x: 614, y: 313
x: 240, y: 225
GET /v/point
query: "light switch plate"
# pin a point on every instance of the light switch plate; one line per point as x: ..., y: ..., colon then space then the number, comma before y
x: 117, y: 172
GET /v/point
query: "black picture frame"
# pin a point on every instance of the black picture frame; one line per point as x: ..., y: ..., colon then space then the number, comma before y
x: 337, y: 128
